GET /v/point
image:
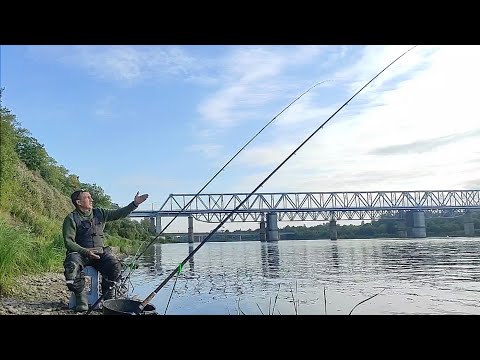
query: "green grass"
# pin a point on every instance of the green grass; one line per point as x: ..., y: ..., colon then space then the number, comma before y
x: 31, y: 239
x: 21, y: 252
x: 125, y: 246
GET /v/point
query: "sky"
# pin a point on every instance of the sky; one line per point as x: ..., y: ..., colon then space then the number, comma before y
x: 165, y: 119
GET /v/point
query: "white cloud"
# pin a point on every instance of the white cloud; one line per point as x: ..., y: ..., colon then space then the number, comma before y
x: 253, y: 76
x: 207, y: 150
x: 126, y: 65
x: 436, y: 102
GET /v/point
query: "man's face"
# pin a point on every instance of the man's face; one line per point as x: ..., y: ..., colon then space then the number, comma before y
x: 85, y: 201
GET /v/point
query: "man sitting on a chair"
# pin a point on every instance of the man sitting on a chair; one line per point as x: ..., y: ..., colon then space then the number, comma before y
x: 84, y: 240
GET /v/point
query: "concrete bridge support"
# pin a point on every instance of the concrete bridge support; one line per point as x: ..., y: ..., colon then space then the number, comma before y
x: 158, y: 224
x: 272, y: 227
x: 152, y: 222
x: 333, y: 229
x: 263, y: 231
x: 468, y: 224
x: 190, y: 230
x: 415, y: 221
x: 402, y: 228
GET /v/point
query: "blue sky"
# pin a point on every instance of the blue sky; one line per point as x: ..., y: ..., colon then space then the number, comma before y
x: 165, y: 119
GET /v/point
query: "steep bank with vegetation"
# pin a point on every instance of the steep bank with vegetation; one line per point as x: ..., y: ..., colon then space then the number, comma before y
x: 34, y: 200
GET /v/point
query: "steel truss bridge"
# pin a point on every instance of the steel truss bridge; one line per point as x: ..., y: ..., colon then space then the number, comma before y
x: 317, y: 206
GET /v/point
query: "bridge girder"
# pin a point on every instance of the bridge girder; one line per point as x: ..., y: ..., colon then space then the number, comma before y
x: 317, y: 206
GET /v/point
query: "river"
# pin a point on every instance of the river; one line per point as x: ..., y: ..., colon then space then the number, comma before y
x: 305, y: 277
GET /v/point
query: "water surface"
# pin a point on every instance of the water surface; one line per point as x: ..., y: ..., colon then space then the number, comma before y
x: 289, y: 277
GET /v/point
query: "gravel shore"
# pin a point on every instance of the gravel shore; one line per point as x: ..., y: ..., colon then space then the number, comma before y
x: 43, y: 294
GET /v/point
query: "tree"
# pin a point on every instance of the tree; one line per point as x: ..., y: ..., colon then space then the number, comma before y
x: 31, y: 152
x: 100, y: 199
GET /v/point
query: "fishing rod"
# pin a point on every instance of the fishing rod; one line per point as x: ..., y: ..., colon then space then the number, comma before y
x: 179, y: 267
x: 227, y: 163
x: 138, y: 254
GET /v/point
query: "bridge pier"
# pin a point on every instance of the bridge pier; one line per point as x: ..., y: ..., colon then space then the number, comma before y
x: 190, y: 229
x: 402, y: 228
x: 152, y: 222
x: 415, y: 221
x: 263, y: 230
x: 272, y: 227
x: 468, y: 224
x: 333, y: 229
x: 158, y: 224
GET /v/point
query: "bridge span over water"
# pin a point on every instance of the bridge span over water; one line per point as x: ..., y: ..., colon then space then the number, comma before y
x: 408, y: 207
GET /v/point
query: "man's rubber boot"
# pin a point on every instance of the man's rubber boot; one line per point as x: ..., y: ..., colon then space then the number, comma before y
x: 81, y: 302
x: 109, y: 294
x: 108, y: 289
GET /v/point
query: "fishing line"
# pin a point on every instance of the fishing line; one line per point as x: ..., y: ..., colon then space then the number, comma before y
x: 226, y: 164
x: 132, y: 266
x: 179, y: 267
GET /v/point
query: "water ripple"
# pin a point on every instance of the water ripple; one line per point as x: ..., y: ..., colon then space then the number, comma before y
x: 418, y: 276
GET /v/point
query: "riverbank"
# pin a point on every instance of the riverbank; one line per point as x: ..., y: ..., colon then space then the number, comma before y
x: 42, y: 294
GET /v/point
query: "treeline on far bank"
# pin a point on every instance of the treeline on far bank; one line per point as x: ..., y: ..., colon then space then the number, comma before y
x: 381, y: 228
x: 35, y: 198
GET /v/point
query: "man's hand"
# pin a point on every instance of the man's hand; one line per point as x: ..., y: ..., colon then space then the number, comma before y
x: 139, y: 198
x: 92, y: 255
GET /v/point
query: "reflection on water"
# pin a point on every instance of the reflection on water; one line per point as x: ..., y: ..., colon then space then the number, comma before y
x: 270, y: 256
x: 191, y: 262
x: 334, y: 251
x: 153, y: 257
x: 417, y: 276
